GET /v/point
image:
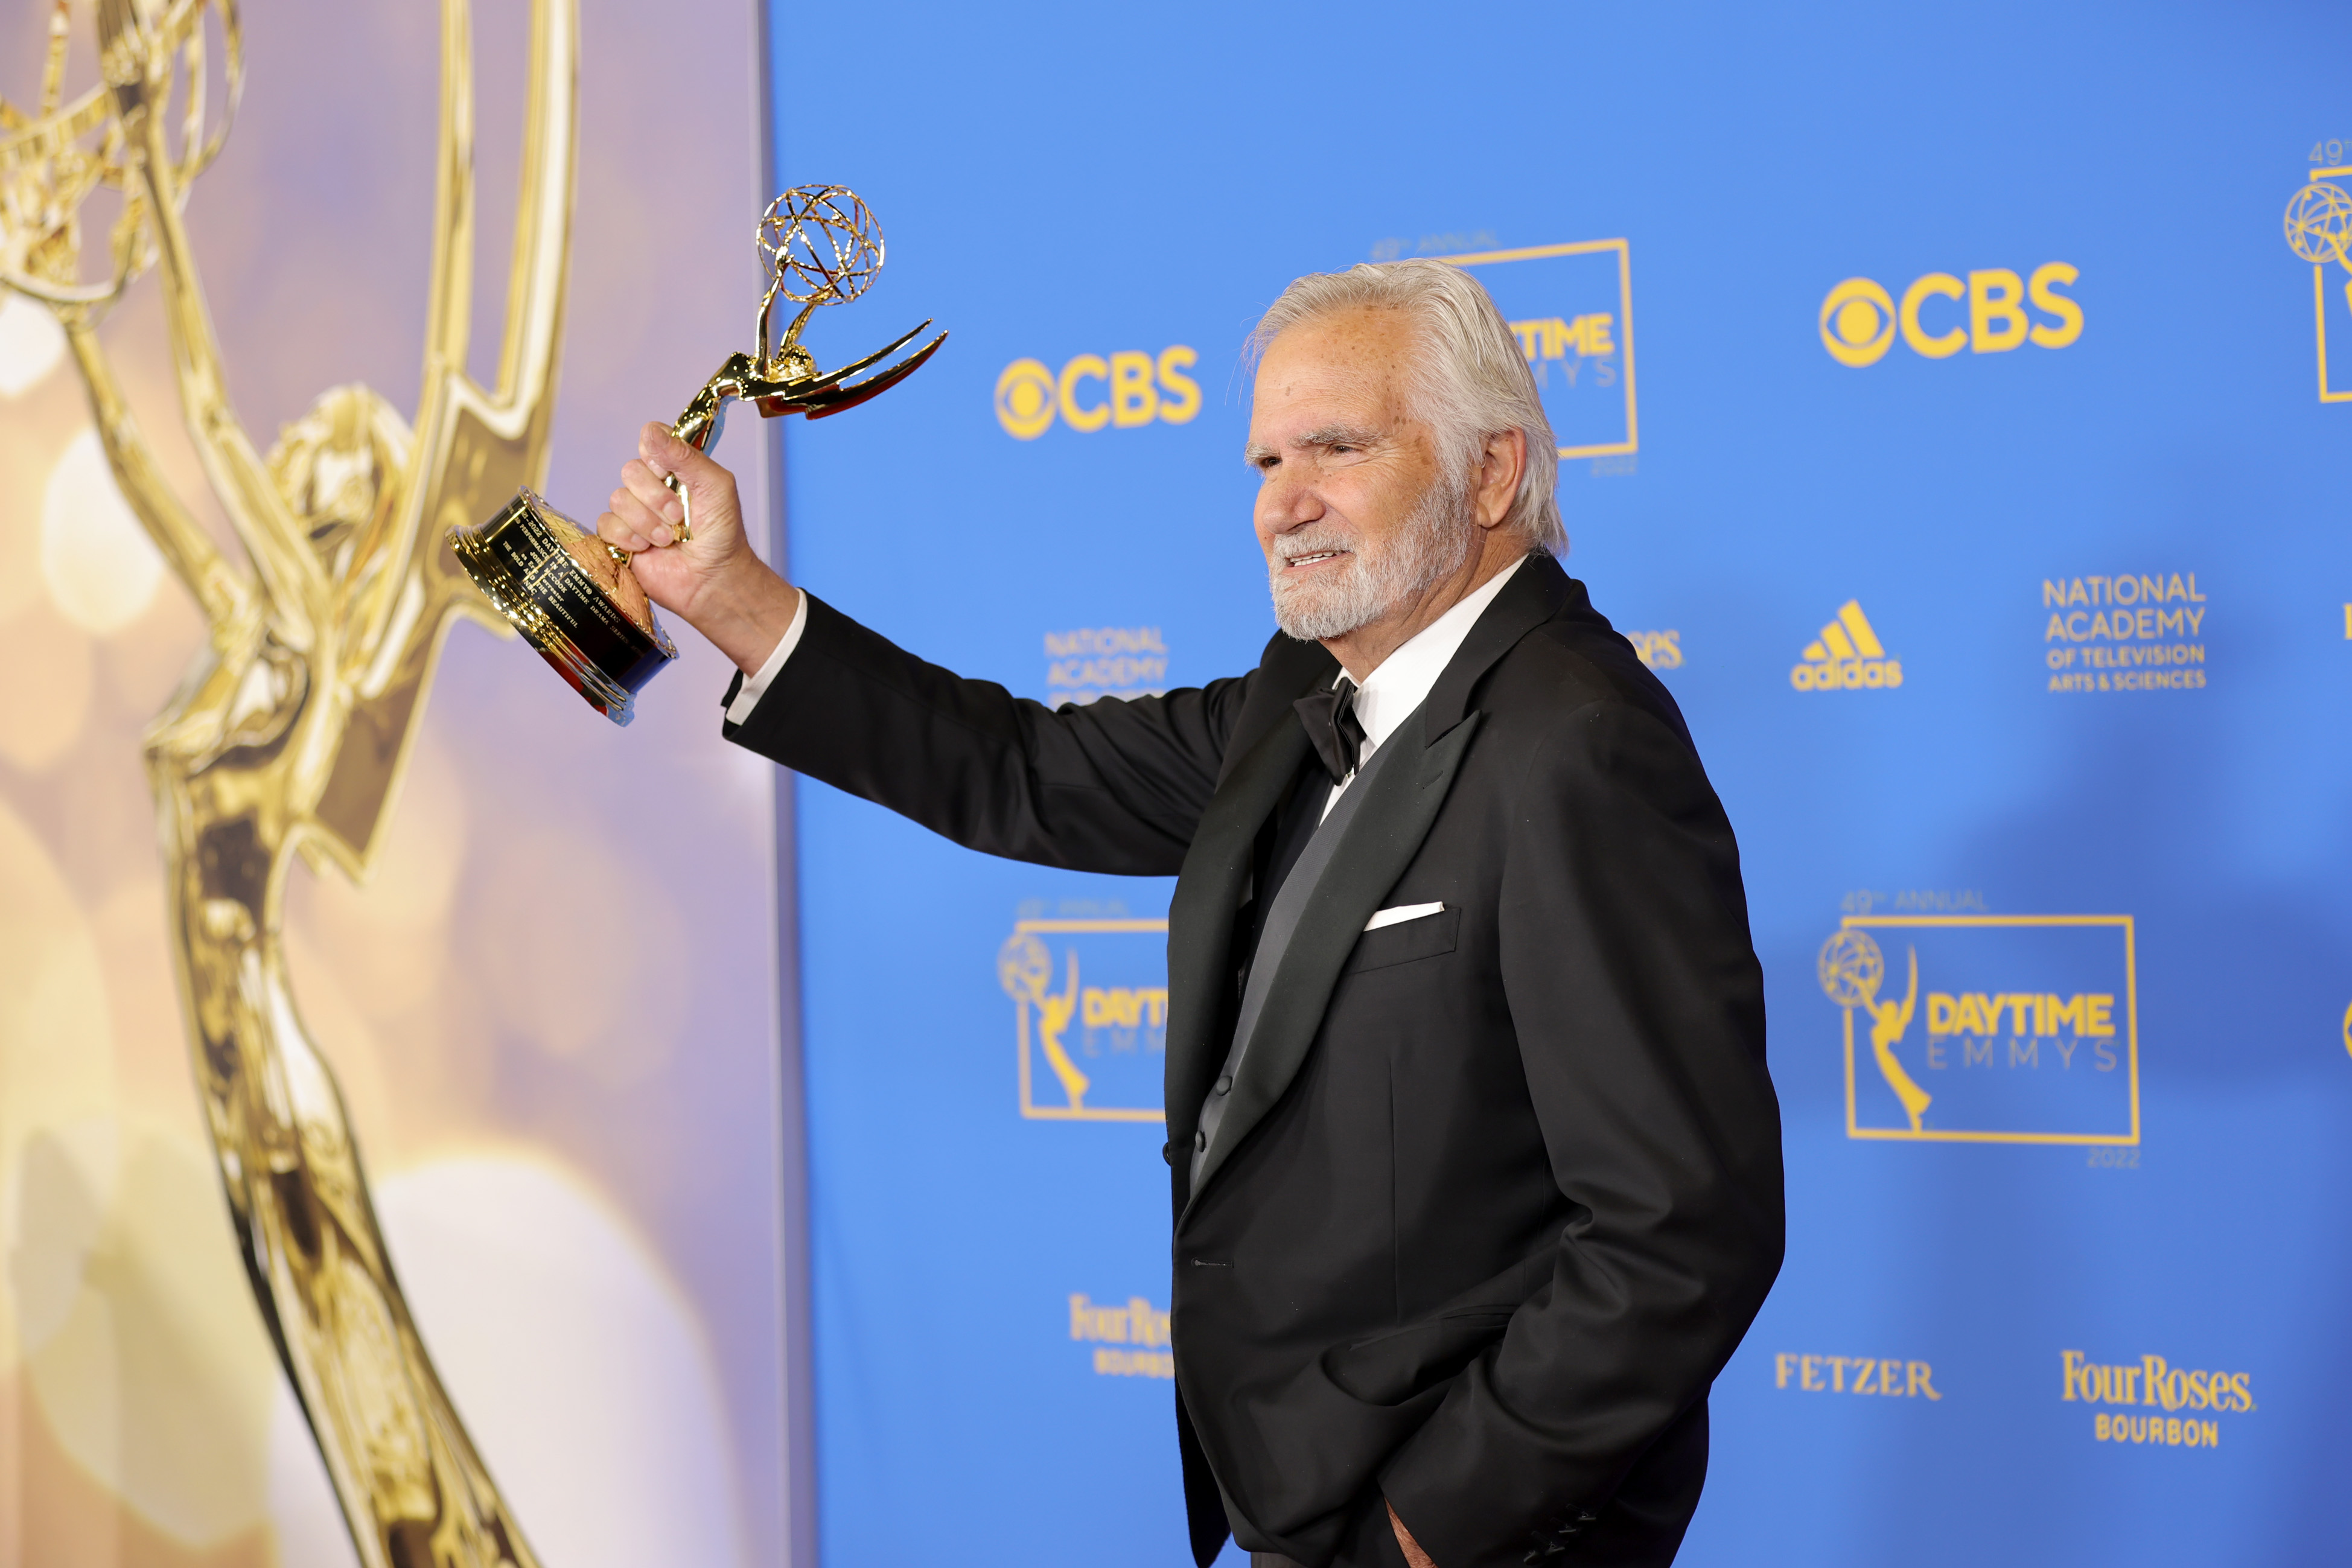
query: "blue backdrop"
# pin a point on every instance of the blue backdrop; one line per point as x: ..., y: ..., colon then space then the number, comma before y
x: 1957, y: 407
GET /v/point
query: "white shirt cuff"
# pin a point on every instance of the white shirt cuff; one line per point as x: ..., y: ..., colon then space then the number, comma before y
x: 755, y: 687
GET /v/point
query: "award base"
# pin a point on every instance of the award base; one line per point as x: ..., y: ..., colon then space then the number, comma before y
x: 571, y: 598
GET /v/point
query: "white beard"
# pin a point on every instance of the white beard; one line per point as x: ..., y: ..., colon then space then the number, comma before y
x: 1434, y: 544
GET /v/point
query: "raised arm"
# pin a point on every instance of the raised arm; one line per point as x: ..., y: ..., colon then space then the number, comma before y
x: 291, y: 575
x: 1114, y: 786
x: 223, y: 593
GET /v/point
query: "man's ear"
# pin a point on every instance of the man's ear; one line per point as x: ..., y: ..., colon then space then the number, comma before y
x: 1501, y: 466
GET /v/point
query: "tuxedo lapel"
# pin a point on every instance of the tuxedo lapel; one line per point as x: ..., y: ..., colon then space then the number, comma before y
x: 1201, y: 918
x: 1396, y: 814
x: 1537, y: 592
x: 1270, y: 744
x: 1267, y: 746
x: 1288, y: 670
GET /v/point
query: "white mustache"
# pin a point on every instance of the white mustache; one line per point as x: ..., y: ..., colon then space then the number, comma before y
x: 1292, y: 546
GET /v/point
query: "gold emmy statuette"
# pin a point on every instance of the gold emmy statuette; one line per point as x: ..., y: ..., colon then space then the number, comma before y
x: 572, y: 596
x: 293, y: 727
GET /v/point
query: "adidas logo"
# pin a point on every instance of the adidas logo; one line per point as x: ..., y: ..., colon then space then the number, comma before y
x: 1846, y: 656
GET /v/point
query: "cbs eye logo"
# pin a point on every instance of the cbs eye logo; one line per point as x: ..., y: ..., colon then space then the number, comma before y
x: 1137, y: 388
x: 1860, y: 318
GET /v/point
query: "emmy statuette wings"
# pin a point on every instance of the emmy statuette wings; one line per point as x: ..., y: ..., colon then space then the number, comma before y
x: 573, y: 598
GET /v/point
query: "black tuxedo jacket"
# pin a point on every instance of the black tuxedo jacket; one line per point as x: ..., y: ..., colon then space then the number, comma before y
x: 1498, y: 1190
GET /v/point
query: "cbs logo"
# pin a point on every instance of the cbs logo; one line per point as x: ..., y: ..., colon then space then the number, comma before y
x: 1135, y: 389
x: 1860, y: 319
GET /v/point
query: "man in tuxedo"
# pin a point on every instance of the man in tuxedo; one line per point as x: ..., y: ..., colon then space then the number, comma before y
x: 1476, y: 1160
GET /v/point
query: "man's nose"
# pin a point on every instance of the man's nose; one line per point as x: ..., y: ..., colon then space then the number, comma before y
x: 1289, y: 502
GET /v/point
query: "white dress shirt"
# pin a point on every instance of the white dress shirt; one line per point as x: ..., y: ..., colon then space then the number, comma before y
x: 756, y: 686
x: 1388, y: 696
x: 1391, y: 693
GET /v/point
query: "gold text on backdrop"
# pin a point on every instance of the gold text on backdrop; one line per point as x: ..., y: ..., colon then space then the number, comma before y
x: 572, y: 596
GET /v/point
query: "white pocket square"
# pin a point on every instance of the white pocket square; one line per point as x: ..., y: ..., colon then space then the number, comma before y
x: 1401, y: 914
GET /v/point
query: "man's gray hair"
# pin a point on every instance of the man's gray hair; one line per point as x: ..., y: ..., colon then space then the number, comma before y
x: 1471, y: 380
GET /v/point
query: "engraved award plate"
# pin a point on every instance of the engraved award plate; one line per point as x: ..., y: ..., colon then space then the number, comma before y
x: 573, y: 599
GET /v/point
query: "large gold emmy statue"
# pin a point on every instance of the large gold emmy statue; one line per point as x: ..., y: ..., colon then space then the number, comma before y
x: 291, y: 731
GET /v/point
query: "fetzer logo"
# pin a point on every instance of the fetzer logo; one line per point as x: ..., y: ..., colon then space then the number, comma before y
x: 1846, y: 656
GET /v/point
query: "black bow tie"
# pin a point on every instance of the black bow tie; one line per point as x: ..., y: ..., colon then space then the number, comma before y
x: 1331, y: 723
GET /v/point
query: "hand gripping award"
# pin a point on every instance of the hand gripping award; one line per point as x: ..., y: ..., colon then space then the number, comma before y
x: 573, y: 596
